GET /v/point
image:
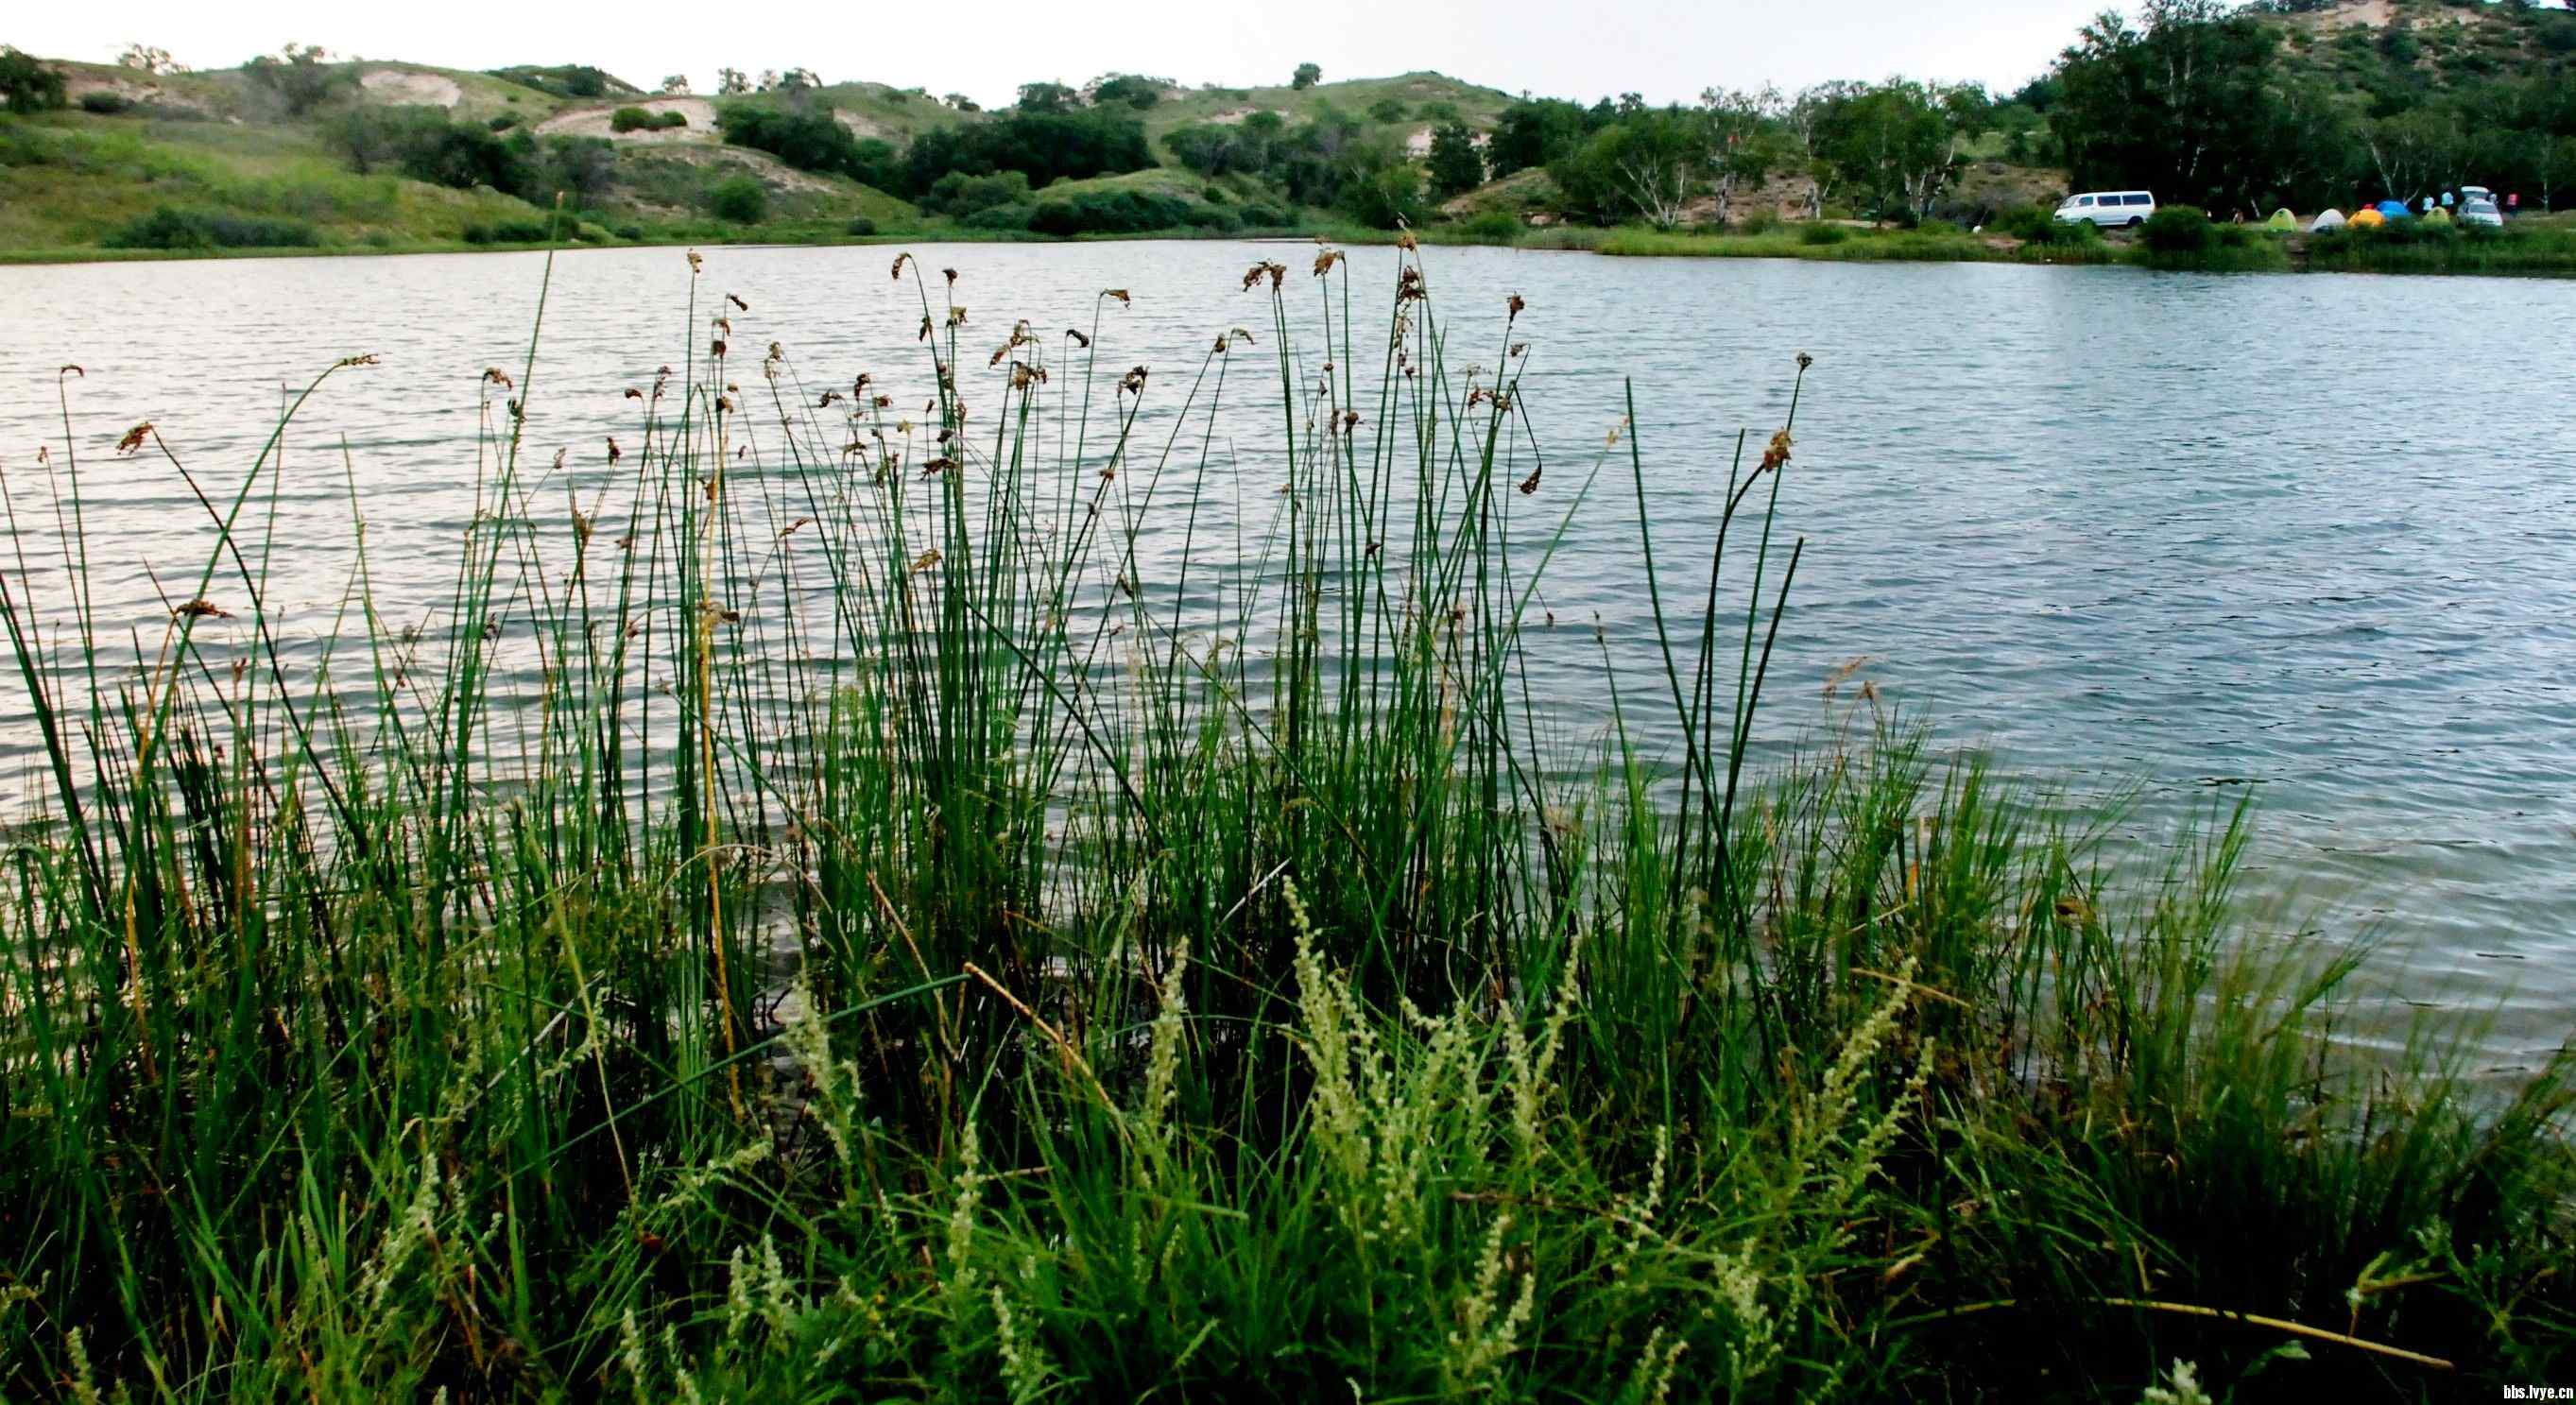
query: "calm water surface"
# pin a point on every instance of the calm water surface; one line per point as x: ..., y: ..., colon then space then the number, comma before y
x: 2312, y: 536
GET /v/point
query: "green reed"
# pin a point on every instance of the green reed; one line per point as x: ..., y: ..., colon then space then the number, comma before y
x: 928, y: 888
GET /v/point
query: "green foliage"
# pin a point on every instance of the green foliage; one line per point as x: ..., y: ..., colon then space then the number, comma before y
x: 1043, y: 146
x: 859, y: 227
x: 1646, y: 165
x: 1001, y: 218
x: 1536, y: 133
x: 809, y: 141
x: 2038, y: 224
x: 2179, y: 229
x: 27, y: 83
x: 170, y: 228
x: 508, y: 232
x: 1306, y: 76
x: 1109, y: 212
x: 959, y: 195
x: 424, y: 144
x: 103, y: 103
x: 1456, y: 166
x: 1048, y: 98
x: 636, y: 119
x: 1821, y: 235
x: 567, y: 80
x: 739, y: 200
x: 1131, y: 89
x: 1386, y: 110
x: 302, y: 76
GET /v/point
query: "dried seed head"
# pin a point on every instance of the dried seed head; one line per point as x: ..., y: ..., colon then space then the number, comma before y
x: 696, y: 264
x: 899, y: 261
x: 614, y: 453
x: 950, y: 274
x: 1324, y: 261
x: 736, y: 300
x: 1804, y: 361
x: 1078, y: 338
x: 494, y: 375
x: 1118, y: 293
x: 1517, y: 306
x: 199, y: 609
x: 1776, y: 455
x: 134, y: 438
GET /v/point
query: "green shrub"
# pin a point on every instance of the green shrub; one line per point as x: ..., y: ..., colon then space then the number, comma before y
x: 1822, y: 234
x: 959, y: 195
x: 1000, y: 217
x: 103, y: 103
x: 1211, y: 218
x: 1215, y: 195
x: 637, y: 119
x: 1109, y: 212
x: 1267, y: 217
x: 169, y: 228
x: 508, y: 232
x: 2179, y: 231
x: 1493, y: 226
x: 630, y: 232
x: 27, y: 83
x: 809, y: 142
x: 740, y: 199
x: 1760, y: 221
x: 859, y: 227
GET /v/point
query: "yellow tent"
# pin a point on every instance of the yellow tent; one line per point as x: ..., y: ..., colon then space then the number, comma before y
x: 2283, y: 219
x: 2368, y: 218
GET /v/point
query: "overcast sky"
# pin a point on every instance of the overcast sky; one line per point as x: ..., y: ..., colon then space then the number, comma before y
x: 1667, y: 49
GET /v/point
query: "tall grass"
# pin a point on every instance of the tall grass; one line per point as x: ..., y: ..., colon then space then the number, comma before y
x: 926, y: 889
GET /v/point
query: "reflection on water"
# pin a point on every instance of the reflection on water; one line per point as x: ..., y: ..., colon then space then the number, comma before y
x: 2308, y: 538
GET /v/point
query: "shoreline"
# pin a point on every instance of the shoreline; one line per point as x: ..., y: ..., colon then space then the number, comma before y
x: 2512, y: 254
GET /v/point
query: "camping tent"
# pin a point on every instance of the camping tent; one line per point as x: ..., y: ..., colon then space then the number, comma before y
x: 2368, y: 217
x: 2393, y: 209
x: 2437, y: 215
x: 2331, y: 219
x: 2283, y: 219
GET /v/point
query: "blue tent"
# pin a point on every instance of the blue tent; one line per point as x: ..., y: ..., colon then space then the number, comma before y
x: 2394, y: 209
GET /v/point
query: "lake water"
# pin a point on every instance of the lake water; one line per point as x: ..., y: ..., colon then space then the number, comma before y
x: 2311, y: 535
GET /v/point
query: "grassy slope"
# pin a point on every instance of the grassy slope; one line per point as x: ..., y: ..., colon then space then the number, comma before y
x: 218, y: 140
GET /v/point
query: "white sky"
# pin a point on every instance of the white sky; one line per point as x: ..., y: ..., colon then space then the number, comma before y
x: 1666, y: 49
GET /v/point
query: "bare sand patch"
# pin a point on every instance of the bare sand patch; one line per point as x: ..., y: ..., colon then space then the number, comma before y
x: 408, y: 89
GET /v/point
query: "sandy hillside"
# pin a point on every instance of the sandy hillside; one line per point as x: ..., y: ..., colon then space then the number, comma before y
x: 408, y: 89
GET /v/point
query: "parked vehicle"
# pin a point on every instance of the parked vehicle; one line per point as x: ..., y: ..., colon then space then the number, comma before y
x: 2480, y: 211
x: 2108, y: 209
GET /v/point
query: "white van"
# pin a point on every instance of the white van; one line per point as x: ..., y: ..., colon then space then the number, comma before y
x: 2109, y: 209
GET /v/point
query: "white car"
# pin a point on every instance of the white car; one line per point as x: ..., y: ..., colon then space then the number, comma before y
x: 2478, y: 211
x: 2108, y: 209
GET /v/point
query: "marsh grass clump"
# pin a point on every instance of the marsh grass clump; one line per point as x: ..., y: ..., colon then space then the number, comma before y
x: 933, y: 884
